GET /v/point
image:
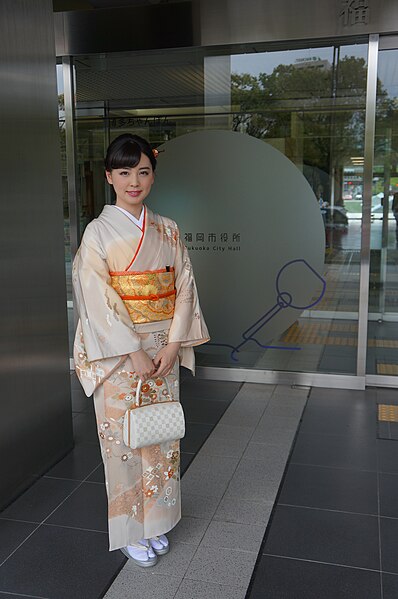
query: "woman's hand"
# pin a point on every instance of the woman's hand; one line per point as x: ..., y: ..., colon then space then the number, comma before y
x: 142, y: 364
x: 165, y: 358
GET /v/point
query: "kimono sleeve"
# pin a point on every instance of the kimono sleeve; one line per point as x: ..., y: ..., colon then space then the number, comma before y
x: 106, y: 325
x: 188, y: 325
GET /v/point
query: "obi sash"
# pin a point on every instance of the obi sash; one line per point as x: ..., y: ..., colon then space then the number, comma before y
x: 149, y: 296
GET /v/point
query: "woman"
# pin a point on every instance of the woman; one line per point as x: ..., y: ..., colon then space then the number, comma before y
x: 139, y: 311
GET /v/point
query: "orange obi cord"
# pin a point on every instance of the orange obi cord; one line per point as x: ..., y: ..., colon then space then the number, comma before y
x: 149, y: 296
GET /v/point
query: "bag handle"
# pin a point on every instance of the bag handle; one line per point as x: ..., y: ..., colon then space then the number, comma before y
x: 138, y: 390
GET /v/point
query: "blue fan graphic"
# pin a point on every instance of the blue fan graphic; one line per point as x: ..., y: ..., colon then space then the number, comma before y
x: 284, y: 300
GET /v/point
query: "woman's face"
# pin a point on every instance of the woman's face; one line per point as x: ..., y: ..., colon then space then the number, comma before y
x: 132, y: 185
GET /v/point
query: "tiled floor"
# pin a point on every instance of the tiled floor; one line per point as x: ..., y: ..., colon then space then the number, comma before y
x: 333, y: 532
x: 334, y: 529
x: 53, y: 539
x: 228, y: 494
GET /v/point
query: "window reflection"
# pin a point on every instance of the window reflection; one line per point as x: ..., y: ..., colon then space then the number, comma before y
x: 383, y: 304
x: 308, y: 103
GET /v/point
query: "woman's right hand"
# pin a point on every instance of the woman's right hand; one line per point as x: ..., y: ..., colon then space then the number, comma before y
x: 142, y: 364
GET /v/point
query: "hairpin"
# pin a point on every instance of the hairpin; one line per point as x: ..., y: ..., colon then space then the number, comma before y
x: 155, y: 152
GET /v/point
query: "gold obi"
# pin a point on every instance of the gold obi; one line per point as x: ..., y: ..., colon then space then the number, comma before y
x: 149, y: 296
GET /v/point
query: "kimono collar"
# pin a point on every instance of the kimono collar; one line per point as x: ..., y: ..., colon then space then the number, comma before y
x: 137, y: 221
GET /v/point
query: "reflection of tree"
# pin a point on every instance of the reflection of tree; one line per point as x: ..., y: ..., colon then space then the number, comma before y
x: 316, y: 108
x: 61, y: 102
x: 62, y: 140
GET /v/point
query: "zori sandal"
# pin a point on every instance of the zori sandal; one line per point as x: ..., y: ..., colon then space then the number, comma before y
x: 160, y: 544
x: 141, y: 553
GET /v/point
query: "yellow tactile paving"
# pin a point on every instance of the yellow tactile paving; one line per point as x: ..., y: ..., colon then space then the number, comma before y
x: 319, y: 334
x: 388, y: 413
x: 382, y: 343
x: 391, y: 369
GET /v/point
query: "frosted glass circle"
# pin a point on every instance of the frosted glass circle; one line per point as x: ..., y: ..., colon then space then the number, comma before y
x: 253, y: 228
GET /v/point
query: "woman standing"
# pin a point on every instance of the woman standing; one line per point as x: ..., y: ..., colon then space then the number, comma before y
x: 139, y: 310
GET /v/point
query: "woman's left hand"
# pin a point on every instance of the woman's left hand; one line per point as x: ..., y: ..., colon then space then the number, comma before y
x: 165, y: 359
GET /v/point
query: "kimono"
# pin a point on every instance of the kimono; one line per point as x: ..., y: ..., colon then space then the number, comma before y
x: 134, y: 288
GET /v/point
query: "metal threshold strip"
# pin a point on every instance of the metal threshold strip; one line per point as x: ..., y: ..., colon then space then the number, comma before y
x: 273, y: 377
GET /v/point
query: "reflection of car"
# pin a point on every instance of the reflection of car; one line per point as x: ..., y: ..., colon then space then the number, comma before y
x: 377, y: 208
x: 335, y: 217
x: 347, y: 196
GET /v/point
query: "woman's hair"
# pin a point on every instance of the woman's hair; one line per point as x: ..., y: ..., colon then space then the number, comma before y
x: 125, y: 151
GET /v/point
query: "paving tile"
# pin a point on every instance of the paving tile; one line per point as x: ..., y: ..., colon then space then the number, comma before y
x: 70, y: 563
x: 186, y: 459
x: 388, y: 495
x: 207, y: 389
x: 133, y: 582
x: 270, y: 455
x: 243, y: 511
x: 222, y: 566
x: 393, y: 430
x: 40, y: 499
x: 390, y: 586
x: 11, y: 535
x: 276, y: 421
x: 80, y: 402
x: 389, y: 544
x: 285, y: 407
x: 388, y: 455
x: 189, y: 530
x: 339, y: 420
x: 348, y: 397
x: 231, y: 535
x: 85, y: 428
x: 247, y: 412
x: 15, y: 596
x: 196, y: 589
x: 384, y: 430
x: 205, y: 411
x: 291, y: 392
x: 253, y: 481
x: 224, y: 447
x: 354, y: 453
x: 228, y: 431
x: 78, y: 464
x: 296, y: 397
x: 86, y: 508
x: 74, y: 382
x: 176, y: 562
x: 98, y: 476
x: 209, y: 475
x: 258, y: 391
x: 279, y: 578
x: 320, y: 535
x: 199, y: 507
x: 269, y: 422
x: 268, y: 432
x: 195, y: 435
x: 330, y: 488
x: 384, y: 393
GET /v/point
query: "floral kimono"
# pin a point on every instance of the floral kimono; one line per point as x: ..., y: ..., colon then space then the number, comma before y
x: 134, y: 288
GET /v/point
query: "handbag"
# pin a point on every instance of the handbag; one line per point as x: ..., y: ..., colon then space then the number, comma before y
x: 154, y: 423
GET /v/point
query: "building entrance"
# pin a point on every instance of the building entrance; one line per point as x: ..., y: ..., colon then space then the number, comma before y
x: 311, y: 103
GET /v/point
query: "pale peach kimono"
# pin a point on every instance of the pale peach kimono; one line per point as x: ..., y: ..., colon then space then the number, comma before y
x: 143, y: 486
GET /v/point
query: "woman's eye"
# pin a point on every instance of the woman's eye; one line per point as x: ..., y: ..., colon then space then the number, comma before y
x: 144, y: 173
x: 124, y: 173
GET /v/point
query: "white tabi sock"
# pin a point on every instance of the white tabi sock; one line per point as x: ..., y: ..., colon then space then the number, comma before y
x: 142, y: 550
x: 159, y: 542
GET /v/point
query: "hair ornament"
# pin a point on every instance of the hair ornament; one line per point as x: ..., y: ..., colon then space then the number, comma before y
x: 155, y: 152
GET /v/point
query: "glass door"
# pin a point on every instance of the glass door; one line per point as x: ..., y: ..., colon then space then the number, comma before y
x: 382, y: 356
x: 307, y: 103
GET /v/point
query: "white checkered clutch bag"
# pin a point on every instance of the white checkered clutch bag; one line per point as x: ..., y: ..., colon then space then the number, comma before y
x: 152, y: 424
